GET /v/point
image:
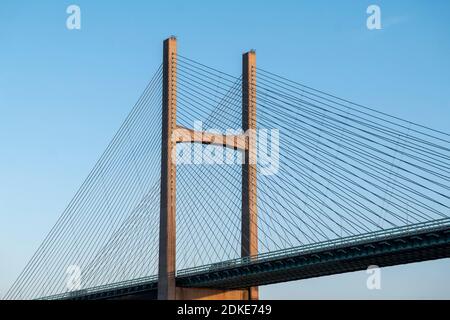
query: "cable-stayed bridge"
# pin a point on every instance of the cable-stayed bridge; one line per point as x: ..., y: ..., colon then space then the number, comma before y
x: 216, y: 184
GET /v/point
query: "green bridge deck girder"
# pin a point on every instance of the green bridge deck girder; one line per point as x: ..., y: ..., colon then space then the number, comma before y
x: 414, y: 243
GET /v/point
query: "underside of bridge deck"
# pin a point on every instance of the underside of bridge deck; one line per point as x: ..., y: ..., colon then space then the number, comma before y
x: 227, y: 283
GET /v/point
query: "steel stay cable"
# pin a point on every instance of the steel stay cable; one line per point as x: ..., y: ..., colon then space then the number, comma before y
x: 116, y: 137
x: 63, y: 217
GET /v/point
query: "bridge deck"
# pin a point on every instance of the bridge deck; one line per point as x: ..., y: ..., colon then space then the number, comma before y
x: 414, y: 243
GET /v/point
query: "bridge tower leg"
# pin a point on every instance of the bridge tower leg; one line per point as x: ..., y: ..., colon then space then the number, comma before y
x: 249, y: 229
x: 167, y: 228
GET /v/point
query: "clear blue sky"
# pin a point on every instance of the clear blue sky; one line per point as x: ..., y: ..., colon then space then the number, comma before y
x: 64, y: 93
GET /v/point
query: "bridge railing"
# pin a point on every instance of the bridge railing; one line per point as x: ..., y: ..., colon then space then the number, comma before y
x: 320, y: 246
x: 103, y: 288
x: 305, y: 249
